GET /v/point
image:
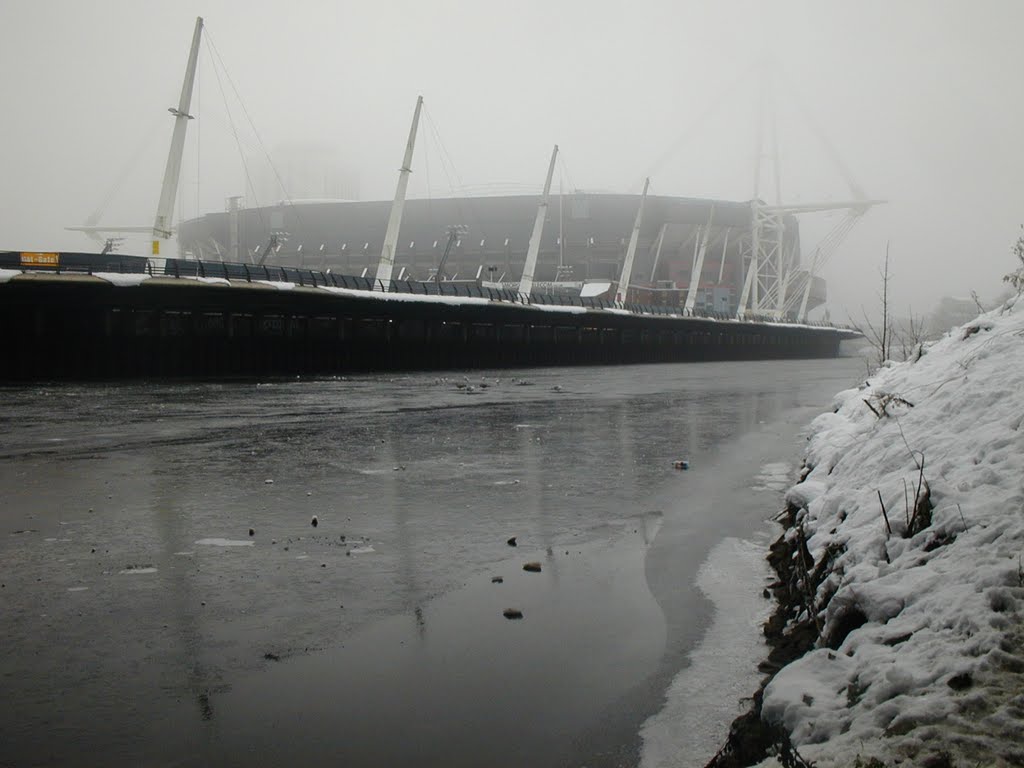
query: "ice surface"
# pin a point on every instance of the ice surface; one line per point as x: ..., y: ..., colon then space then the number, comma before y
x: 706, y: 696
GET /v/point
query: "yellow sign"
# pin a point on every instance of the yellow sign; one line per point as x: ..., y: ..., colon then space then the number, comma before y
x: 31, y: 259
x: 156, y: 247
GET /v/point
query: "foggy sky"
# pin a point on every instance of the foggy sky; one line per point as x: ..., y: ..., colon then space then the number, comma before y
x: 922, y: 100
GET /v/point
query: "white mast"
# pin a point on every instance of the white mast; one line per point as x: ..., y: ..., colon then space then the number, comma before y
x: 657, y: 249
x: 698, y: 264
x: 165, y: 209
x: 627, y: 265
x: 387, y: 251
x: 526, y: 282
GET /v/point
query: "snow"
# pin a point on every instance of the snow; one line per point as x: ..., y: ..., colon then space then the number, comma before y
x: 7, y: 274
x: 123, y: 280
x: 938, y: 664
x: 708, y: 694
x: 415, y: 297
x: 281, y: 286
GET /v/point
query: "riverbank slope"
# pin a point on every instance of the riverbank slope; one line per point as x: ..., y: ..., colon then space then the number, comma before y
x: 898, y: 635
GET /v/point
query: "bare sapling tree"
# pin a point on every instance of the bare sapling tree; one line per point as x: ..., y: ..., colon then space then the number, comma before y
x: 909, y: 334
x: 1016, y: 278
x: 880, y: 336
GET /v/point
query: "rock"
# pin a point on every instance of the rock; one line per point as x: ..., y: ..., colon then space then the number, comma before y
x: 681, y: 464
x: 512, y: 542
x: 497, y: 580
x: 961, y: 682
x: 268, y: 481
x: 314, y: 522
x: 512, y: 613
x: 532, y: 567
x: 252, y: 532
x: 271, y: 657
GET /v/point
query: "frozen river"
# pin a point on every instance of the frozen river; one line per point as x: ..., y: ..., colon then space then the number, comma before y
x: 142, y: 623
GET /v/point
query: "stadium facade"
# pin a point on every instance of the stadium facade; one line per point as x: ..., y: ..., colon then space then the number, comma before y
x: 584, y: 240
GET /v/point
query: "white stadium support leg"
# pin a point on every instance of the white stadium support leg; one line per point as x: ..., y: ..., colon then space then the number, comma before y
x: 387, y: 251
x: 634, y: 238
x: 169, y: 190
x: 526, y: 282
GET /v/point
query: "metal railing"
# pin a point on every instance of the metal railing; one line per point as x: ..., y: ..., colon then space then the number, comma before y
x: 85, y: 263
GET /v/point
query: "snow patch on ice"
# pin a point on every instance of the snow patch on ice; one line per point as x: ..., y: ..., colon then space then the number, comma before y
x: 362, y: 550
x: 133, y: 571
x: 774, y: 476
x: 224, y: 543
x: 706, y: 696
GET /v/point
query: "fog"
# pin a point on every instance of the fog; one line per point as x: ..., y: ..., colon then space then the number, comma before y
x: 921, y: 100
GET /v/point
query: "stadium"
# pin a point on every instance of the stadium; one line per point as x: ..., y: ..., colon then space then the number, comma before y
x: 485, y: 239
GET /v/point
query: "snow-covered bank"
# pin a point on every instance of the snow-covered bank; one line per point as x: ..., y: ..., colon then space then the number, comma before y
x: 904, y: 560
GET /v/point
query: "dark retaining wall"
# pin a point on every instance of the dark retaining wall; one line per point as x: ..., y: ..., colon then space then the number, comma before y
x: 82, y: 327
